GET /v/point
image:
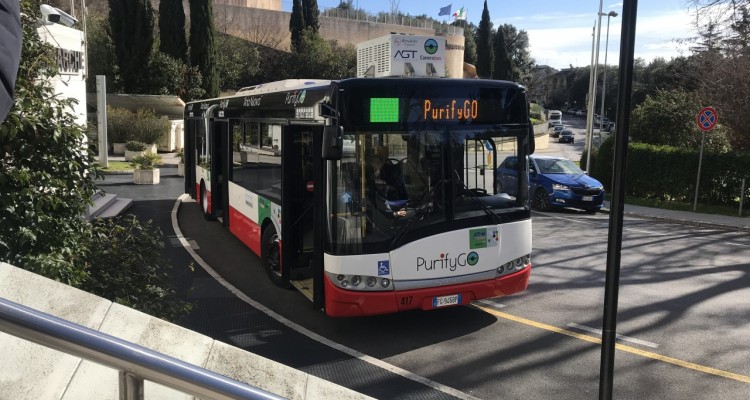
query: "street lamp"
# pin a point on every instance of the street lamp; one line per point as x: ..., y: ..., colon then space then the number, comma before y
x: 604, y: 73
x: 592, y: 89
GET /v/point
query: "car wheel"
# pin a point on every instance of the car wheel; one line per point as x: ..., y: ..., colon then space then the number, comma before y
x: 207, y: 214
x: 541, y: 200
x: 271, y: 257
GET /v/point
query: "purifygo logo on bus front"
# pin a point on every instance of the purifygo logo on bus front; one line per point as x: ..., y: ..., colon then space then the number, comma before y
x: 446, y: 261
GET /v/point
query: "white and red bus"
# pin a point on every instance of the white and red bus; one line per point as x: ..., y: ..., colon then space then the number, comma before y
x: 372, y: 195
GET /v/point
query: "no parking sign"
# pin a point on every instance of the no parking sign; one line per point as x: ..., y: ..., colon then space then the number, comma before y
x: 707, y: 119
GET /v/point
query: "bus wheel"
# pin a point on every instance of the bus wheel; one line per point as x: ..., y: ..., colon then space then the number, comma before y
x: 271, y: 257
x: 541, y: 200
x: 204, y: 203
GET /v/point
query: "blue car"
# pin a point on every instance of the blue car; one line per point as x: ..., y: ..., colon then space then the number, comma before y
x: 554, y: 182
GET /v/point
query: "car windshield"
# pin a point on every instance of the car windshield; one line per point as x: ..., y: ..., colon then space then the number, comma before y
x: 557, y: 166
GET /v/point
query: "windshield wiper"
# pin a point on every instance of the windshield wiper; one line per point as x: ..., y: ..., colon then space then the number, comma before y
x: 419, y: 212
x: 473, y: 195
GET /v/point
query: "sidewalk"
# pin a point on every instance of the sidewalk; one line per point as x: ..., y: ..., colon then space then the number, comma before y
x: 685, y: 217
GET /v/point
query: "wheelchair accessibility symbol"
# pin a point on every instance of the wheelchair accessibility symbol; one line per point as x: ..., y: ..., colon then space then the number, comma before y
x: 384, y: 268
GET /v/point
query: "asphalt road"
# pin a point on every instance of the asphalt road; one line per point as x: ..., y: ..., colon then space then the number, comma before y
x: 683, y: 311
x: 683, y: 314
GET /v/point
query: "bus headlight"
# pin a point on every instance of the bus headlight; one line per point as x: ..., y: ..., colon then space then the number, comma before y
x: 360, y: 282
x: 514, y: 266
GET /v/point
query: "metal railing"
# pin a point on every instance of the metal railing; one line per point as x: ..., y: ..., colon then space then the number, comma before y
x: 135, y: 363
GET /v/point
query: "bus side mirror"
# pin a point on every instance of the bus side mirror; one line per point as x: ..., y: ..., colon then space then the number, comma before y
x: 333, y: 142
x: 531, y: 140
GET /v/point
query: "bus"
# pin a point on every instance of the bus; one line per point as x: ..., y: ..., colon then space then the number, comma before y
x: 370, y: 195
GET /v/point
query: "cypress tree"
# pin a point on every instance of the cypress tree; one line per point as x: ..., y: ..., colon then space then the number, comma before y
x: 310, y: 12
x: 470, y: 44
x: 172, y: 29
x: 502, y: 66
x: 203, y: 44
x: 484, y: 45
x: 296, y: 24
x: 132, y: 31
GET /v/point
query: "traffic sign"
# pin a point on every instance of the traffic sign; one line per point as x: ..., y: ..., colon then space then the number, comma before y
x: 707, y: 119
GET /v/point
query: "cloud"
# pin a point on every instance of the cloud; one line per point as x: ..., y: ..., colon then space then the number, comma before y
x: 560, y: 45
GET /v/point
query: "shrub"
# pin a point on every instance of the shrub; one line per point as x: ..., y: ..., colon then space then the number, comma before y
x: 135, y: 145
x: 125, y: 265
x: 119, y: 125
x: 149, y: 127
x: 146, y: 161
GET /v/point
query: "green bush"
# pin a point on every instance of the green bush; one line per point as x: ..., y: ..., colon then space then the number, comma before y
x: 146, y: 161
x: 125, y: 265
x: 149, y: 127
x: 669, y: 173
x: 119, y: 125
x: 135, y: 145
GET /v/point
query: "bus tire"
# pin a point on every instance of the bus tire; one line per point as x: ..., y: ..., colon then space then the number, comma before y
x: 270, y: 257
x: 209, y: 216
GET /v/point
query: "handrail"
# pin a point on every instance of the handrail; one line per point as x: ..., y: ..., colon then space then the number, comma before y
x: 134, y: 362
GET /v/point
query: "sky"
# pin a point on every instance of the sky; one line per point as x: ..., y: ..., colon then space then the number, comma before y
x: 560, y: 32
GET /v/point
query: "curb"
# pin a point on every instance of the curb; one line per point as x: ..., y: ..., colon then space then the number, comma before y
x: 701, y: 224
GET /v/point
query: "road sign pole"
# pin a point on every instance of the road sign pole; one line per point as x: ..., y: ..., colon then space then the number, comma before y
x: 700, y: 161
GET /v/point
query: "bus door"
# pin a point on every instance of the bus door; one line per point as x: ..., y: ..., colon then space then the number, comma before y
x: 297, y: 201
x: 220, y: 164
x: 190, y: 141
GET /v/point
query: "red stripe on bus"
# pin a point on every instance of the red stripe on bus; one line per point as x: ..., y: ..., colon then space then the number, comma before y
x: 350, y: 303
x: 245, y: 229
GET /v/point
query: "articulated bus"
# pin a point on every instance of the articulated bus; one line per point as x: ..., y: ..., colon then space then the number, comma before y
x: 370, y: 195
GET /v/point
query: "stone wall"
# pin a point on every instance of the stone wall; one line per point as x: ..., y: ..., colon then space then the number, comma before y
x: 271, y: 28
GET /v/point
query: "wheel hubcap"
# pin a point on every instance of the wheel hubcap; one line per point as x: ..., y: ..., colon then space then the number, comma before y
x: 272, y: 247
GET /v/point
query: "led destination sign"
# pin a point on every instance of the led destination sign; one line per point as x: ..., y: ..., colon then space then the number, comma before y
x: 454, y: 110
x: 381, y: 104
x: 444, y: 110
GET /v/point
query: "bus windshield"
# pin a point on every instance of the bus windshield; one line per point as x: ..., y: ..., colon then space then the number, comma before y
x: 389, y: 184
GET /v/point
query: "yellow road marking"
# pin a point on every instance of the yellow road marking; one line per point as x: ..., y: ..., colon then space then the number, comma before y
x: 622, y: 347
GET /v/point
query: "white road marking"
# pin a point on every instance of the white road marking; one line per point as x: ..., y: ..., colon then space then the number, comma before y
x: 618, y: 336
x: 353, y: 353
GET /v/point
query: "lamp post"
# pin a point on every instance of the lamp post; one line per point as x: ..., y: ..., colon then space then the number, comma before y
x: 604, y: 74
x: 592, y: 91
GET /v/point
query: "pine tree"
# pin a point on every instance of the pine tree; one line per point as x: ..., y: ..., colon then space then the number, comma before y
x: 484, y: 45
x: 203, y: 44
x: 172, y: 29
x: 132, y: 30
x: 296, y: 24
x: 310, y: 12
x: 502, y: 68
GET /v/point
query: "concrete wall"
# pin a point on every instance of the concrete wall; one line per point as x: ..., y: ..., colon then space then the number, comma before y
x: 264, y: 4
x: 271, y: 28
x: 33, y: 372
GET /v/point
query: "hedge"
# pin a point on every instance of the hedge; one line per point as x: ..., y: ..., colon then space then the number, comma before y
x: 670, y: 173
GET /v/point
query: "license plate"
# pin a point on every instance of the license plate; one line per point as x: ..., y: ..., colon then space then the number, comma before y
x: 442, y: 301
x: 588, y: 198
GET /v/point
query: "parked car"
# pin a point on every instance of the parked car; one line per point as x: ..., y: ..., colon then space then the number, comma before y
x: 556, y: 130
x: 554, y: 182
x: 566, y: 136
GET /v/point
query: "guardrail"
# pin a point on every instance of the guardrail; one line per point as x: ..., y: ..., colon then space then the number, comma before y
x: 135, y: 363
